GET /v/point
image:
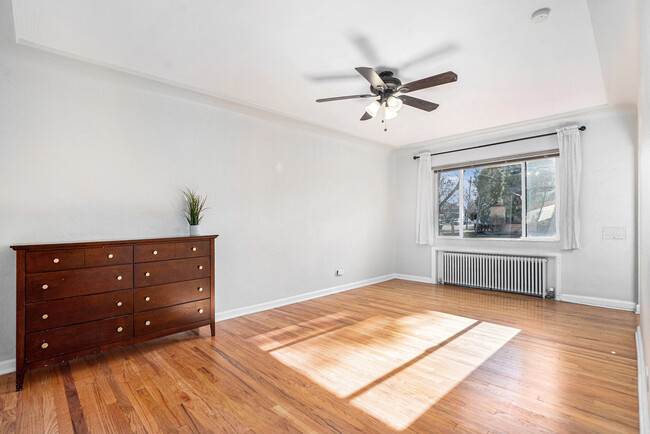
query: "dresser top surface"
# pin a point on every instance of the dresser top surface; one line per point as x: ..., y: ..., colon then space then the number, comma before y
x: 90, y: 244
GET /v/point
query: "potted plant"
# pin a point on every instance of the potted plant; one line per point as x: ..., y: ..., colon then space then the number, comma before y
x: 194, y: 207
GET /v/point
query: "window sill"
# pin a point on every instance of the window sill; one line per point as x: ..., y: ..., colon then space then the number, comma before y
x: 510, y: 240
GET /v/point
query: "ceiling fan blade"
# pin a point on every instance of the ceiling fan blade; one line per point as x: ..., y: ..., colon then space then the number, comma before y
x: 365, y: 116
x: 338, y: 98
x: 367, y: 49
x: 436, y: 80
x: 373, y: 78
x: 419, y: 103
x: 434, y: 52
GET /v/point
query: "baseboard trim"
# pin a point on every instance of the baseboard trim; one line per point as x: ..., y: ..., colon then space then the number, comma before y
x: 644, y: 417
x: 247, y: 310
x: 412, y: 278
x: 600, y: 302
x: 7, y: 366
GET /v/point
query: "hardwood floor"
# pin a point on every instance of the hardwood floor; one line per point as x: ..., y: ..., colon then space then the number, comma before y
x: 388, y: 357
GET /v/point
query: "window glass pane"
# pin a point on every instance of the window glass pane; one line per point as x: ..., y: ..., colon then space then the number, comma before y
x: 492, y: 197
x: 540, y: 198
x: 448, y: 200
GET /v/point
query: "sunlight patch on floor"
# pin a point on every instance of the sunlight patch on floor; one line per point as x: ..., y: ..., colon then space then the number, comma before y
x: 403, y: 397
x: 393, y: 368
x: 347, y: 359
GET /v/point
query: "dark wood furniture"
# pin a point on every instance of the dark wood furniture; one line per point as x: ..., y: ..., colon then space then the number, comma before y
x: 76, y: 299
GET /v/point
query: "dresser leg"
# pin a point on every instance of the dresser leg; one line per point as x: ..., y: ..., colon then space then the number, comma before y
x: 212, y: 327
x: 20, y: 378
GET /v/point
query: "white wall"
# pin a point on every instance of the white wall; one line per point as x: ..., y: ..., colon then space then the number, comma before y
x: 603, y: 268
x: 91, y: 154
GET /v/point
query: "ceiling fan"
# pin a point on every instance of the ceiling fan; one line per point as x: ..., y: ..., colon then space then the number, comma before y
x: 391, y: 94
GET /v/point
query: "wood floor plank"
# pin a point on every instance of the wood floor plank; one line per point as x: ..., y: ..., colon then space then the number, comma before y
x: 75, y: 409
x: 392, y: 357
x: 64, y: 421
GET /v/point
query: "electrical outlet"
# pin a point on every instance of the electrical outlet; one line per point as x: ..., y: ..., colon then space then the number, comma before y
x: 339, y: 272
x: 614, y: 232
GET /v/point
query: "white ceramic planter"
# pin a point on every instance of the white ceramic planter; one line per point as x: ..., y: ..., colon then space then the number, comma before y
x: 195, y: 230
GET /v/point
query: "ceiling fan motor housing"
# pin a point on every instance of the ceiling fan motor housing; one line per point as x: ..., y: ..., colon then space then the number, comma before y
x: 391, y: 81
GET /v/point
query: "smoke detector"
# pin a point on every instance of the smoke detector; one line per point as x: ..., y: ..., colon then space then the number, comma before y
x: 540, y: 15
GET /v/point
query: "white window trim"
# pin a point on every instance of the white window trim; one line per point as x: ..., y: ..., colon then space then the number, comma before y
x: 461, y: 211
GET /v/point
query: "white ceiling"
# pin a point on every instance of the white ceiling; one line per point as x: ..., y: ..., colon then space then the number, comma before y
x: 272, y: 54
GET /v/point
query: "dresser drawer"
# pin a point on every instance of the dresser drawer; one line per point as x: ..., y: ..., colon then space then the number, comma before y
x: 36, y: 262
x: 156, y: 273
x: 169, y: 317
x: 61, y: 284
x: 193, y: 249
x: 57, y: 313
x: 154, y: 252
x: 50, y: 343
x: 103, y: 256
x: 156, y: 296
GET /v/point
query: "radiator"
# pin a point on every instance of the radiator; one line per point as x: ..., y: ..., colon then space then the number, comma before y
x: 519, y: 274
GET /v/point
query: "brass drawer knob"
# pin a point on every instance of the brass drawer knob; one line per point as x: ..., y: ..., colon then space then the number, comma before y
x: 194, y: 249
x: 147, y: 274
x: 110, y: 256
x: 200, y: 267
x: 147, y: 298
x: 119, y: 303
x: 119, y: 329
x: 56, y: 260
x: 147, y: 323
x: 201, y: 310
x: 200, y: 289
x: 119, y: 277
x: 155, y: 252
x: 44, y: 316
x: 45, y: 286
x: 44, y: 345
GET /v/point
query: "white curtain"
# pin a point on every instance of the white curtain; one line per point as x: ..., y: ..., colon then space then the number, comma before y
x: 570, y: 170
x: 424, y: 217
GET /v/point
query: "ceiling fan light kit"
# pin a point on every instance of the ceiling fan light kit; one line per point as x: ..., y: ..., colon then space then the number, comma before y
x: 390, y: 93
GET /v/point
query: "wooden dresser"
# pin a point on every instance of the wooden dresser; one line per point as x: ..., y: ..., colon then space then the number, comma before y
x: 76, y: 299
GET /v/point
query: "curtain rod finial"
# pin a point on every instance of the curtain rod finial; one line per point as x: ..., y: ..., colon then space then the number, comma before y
x: 582, y: 128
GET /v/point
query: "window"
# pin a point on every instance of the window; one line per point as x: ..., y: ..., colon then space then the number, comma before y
x: 540, y: 198
x: 448, y: 203
x: 514, y: 200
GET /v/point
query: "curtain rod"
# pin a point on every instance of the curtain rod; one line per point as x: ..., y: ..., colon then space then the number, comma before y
x: 415, y: 157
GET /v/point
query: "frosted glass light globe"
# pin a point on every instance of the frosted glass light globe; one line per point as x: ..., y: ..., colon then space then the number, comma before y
x: 394, y: 103
x: 373, y: 108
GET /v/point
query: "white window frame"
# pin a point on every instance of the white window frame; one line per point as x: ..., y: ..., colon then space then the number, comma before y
x: 524, y: 230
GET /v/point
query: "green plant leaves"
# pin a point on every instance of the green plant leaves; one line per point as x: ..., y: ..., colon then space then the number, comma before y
x: 194, y: 206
